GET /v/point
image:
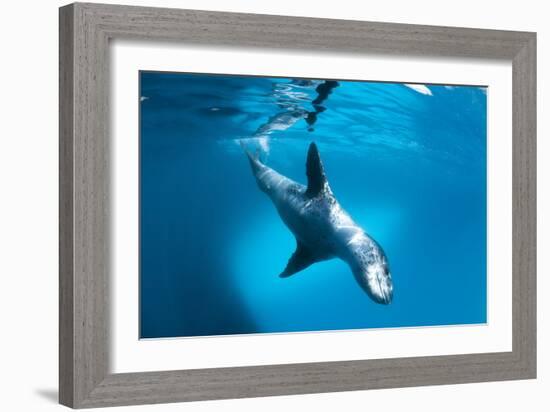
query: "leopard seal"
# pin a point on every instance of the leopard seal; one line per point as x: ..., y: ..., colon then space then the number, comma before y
x: 322, y: 228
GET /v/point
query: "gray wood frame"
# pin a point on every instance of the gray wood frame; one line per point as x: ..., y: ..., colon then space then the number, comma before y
x: 85, y: 30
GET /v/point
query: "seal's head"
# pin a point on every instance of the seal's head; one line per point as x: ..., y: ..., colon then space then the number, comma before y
x: 378, y: 283
x: 371, y: 269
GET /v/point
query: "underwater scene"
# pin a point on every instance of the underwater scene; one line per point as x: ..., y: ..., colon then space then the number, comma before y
x: 277, y: 205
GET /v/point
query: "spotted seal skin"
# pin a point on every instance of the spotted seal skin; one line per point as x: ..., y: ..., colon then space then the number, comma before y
x: 322, y: 228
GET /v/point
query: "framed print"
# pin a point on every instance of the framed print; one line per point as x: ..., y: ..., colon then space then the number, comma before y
x: 257, y: 205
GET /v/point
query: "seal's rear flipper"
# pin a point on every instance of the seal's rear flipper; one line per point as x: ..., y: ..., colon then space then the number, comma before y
x: 254, y: 160
x: 300, y: 259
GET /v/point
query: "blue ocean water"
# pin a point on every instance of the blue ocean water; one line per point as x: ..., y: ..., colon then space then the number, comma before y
x: 408, y: 162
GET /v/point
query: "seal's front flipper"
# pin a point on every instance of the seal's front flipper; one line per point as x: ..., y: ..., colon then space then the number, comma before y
x: 300, y: 259
x: 316, y: 179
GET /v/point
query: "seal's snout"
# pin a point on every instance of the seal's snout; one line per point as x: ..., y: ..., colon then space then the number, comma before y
x: 382, y: 292
x: 380, y: 283
x: 376, y: 280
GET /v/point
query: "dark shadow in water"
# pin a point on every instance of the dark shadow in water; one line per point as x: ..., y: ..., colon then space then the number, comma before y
x: 186, y: 286
x: 51, y: 395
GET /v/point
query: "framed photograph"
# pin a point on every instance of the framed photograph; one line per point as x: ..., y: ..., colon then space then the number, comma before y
x: 256, y: 205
